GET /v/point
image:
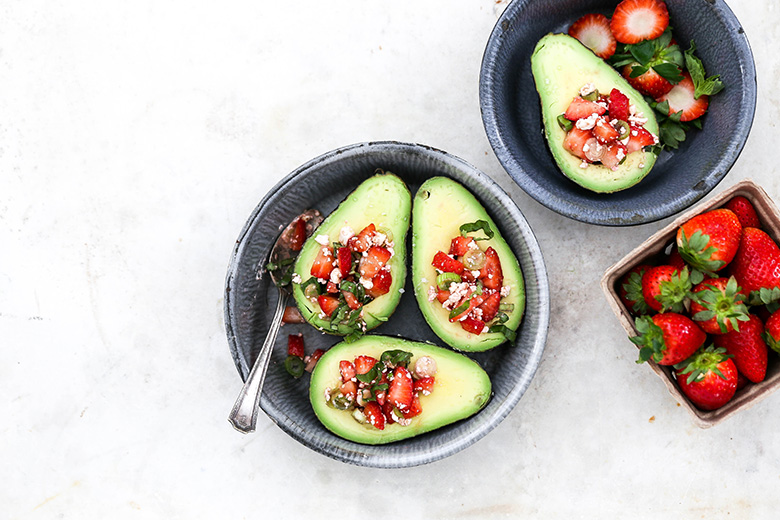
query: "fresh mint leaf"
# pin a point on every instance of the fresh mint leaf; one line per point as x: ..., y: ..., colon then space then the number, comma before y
x: 702, y: 84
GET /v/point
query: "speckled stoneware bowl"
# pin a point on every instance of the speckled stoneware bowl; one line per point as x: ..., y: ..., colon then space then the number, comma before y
x: 250, y: 300
x: 511, y: 112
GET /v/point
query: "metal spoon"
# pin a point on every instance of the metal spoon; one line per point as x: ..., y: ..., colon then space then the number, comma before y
x: 243, y: 417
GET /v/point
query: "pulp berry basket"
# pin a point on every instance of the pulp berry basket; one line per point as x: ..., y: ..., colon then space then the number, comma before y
x: 657, y: 244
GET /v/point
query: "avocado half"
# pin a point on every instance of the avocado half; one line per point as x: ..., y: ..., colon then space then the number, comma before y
x: 441, y: 206
x: 462, y: 388
x: 561, y: 65
x: 385, y: 201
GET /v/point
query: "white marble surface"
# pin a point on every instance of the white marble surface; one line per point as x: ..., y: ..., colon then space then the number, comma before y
x: 136, y: 138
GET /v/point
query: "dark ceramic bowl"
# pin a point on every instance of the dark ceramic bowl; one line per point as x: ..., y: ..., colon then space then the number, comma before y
x: 250, y: 299
x: 511, y: 112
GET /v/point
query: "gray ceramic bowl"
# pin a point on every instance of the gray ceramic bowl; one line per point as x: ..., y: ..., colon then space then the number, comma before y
x: 250, y: 300
x: 511, y: 112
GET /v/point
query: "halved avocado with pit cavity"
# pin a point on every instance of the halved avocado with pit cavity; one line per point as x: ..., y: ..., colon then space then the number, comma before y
x: 461, y: 389
x: 441, y: 207
x: 561, y: 65
x: 382, y: 200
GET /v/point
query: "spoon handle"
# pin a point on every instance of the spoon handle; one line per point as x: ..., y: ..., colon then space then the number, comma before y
x: 243, y: 417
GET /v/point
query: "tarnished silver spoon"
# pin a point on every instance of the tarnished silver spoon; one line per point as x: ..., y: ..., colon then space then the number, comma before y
x: 243, y: 417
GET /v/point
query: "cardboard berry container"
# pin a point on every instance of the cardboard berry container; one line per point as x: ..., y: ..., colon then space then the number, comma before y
x: 660, y: 242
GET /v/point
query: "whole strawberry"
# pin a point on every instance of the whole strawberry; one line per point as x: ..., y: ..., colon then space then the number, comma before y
x: 708, y: 378
x: 667, y: 338
x: 630, y: 291
x: 748, y: 348
x: 772, y: 331
x: 757, y: 263
x: 709, y: 241
x: 744, y: 211
x: 665, y: 288
x: 717, y: 305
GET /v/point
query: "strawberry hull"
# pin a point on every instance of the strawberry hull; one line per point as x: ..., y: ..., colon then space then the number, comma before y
x: 659, y: 244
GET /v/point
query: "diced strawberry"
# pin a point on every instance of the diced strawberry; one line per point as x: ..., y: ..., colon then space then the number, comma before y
x: 581, y: 108
x: 491, y: 274
x: 311, y: 361
x: 604, y: 131
x: 372, y: 261
x: 331, y: 288
x: 387, y: 409
x: 362, y: 241
x: 467, y: 276
x: 352, y: 301
x: 618, y: 105
x: 443, y: 296
x: 650, y: 83
x: 424, y: 385
x: 637, y: 20
x: 345, y: 260
x: 401, y: 390
x: 298, y: 236
x: 575, y: 141
x: 447, y: 264
x: 474, y: 301
x: 363, y: 364
x: 490, y: 306
x: 323, y: 263
x: 374, y: 415
x: 613, y: 155
x: 347, y: 370
x: 681, y: 97
x: 414, y: 409
x: 292, y: 315
x: 592, y: 30
x: 328, y: 304
x: 638, y: 138
x: 349, y: 389
x: 460, y: 245
x: 295, y: 345
x: 473, y: 325
x: 380, y: 283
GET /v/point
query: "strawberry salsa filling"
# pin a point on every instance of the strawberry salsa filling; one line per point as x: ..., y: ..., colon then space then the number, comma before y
x: 469, y: 283
x: 347, y: 274
x: 604, y: 129
x: 383, y: 391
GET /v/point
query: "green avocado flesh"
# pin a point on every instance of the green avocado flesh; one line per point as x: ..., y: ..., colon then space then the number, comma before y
x: 461, y: 389
x: 441, y: 206
x: 561, y: 65
x: 385, y: 201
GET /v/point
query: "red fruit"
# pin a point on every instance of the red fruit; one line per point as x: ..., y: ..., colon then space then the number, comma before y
x: 491, y: 274
x: 414, y: 408
x: 443, y: 296
x: 772, y: 331
x: 328, y: 304
x: 372, y: 261
x: 675, y: 260
x: 717, y: 305
x: 295, y: 345
x: 604, y: 131
x: 387, y: 410
x: 748, y: 348
x: 447, y: 264
x: 374, y: 415
x: 709, y: 241
x: 345, y: 260
x: 347, y: 370
x: 472, y: 325
x: 637, y: 20
x: 311, y: 361
x: 744, y: 211
x: 349, y: 389
x: 592, y: 30
x: 630, y: 291
x: 618, y: 105
x: 292, y: 315
x: 575, y: 141
x: 681, y: 98
x: 363, y: 364
x: 401, y: 390
x: 614, y: 154
x: 709, y: 378
x: 742, y: 381
x: 362, y: 241
x: 424, y: 385
x: 460, y: 245
x: 580, y: 108
x: 638, y: 138
x: 323, y: 263
x: 381, y: 283
x: 650, y: 83
x: 331, y: 288
x: 473, y: 302
x: 352, y: 301
x: 665, y: 288
x: 490, y: 306
x: 298, y: 236
x: 667, y: 338
x: 757, y: 262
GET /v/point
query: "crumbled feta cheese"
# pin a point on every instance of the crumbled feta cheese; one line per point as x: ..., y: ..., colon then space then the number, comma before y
x: 379, y: 239
x: 335, y: 276
x: 473, y: 245
x: 365, y: 282
x: 584, y: 164
x: 620, y: 154
x: 475, y: 274
x: 322, y: 280
x: 345, y: 234
x: 296, y: 278
x: 637, y: 119
x: 587, y: 88
x: 485, y: 330
x: 587, y: 123
x: 322, y: 240
x: 505, y: 290
x: 432, y: 293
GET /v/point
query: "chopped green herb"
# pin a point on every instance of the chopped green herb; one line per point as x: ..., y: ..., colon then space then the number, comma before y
x: 476, y: 226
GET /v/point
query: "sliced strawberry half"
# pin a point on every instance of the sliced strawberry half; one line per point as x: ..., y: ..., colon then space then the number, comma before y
x: 414, y: 409
x: 328, y: 304
x: 372, y: 261
x: 575, y: 141
x: 638, y: 138
x: 473, y: 325
x: 491, y: 274
x: 344, y: 260
x: 593, y: 31
x: 580, y: 108
x: 362, y: 241
x: 374, y: 415
x: 618, y: 105
x: 364, y: 363
x: 447, y: 264
x: 490, y: 306
x: 347, y: 370
x: 460, y: 245
x: 401, y: 390
x: 614, y: 153
x: 323, y: 263
x: 637, y: 20
x: 352, y: 301
x: 380, y: 283
x: 424, y: 385
x: 604, y: 131
x: 650, y: 83
x: 681, y: 98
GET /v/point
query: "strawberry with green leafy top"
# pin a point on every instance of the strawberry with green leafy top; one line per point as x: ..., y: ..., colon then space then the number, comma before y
x: 667, y: 338
x: 772, y: 331
x: 708, y: 378
x: 665, y: 288
x: 717, y: 305
x: 709, y: 241
x: 756, y: 265
x: 630, y: 291
x: 748, y: 348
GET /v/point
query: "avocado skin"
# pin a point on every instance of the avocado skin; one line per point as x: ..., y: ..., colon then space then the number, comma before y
x: 441, y: 206
x: 462, y: 388
x: 561, y: 65
x: 385, y: 201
